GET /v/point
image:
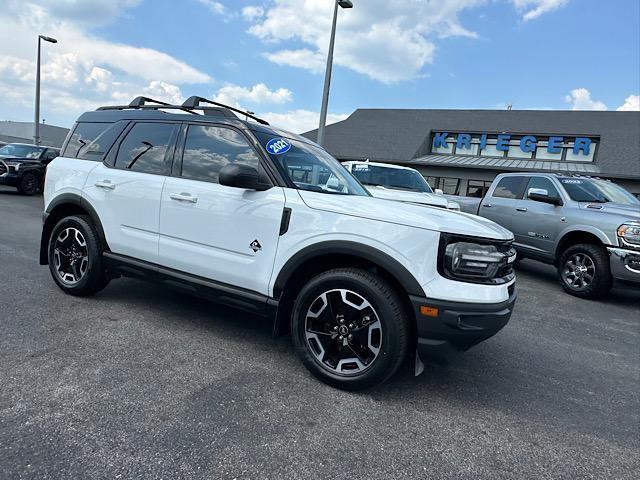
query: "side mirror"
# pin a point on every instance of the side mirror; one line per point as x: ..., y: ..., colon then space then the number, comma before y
x: 542, y: 195
x: 239, y: 175
x: 438, y: 191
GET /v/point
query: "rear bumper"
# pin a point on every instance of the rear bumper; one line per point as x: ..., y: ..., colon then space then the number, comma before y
x: 625, y: 264
x: 459, y: 326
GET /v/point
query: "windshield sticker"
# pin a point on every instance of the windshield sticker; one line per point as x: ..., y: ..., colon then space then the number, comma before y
x: 362, y: 167
x: 278, y: 146
x: 572, y: 181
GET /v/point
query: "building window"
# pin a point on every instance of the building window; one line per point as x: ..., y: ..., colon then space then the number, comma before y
x: 543, y: 154
x: 438, y: 147
x: 477, y: 188
x: 450, y: 186
x: 515, y: 151
x: 490, y: 150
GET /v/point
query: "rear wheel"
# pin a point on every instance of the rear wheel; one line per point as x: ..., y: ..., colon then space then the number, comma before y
x: 29, y: 184
x: 75, y: 256
x: 350, y: 329
x: 583, y: 271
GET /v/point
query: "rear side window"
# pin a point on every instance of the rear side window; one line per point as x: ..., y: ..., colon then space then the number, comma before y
x: 144, y: 149
x: 510, y: 187
x: 209, y: 148
x: 98, y: 148
x: 83, y: 135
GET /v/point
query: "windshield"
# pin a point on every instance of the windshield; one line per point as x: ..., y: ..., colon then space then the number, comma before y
x: 310, y: 167
x: 398, y: 178
x: 597, y: 191
x: 21, y: 151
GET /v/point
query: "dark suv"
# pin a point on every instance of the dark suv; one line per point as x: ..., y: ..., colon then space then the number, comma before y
x: 23, y: 166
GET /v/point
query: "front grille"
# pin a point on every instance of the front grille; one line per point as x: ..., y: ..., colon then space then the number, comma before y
x: 3, y: 168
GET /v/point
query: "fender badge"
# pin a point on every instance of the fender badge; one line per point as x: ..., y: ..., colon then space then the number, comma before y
x: 255, y: 246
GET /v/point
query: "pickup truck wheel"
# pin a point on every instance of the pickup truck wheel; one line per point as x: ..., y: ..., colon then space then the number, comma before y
x: 75, y: 256
x: 350, y: 328
x: 583, y: 271
x: 29, y: 184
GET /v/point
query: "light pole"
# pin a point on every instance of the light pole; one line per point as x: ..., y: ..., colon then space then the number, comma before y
x: 36, y: 124
x: 327, y: 75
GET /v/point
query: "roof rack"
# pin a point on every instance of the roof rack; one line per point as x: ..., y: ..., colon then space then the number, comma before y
x: 189, y: 105
x: 194, y: 102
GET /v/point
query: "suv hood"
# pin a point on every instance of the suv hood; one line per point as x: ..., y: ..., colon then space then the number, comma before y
x: 407, y: 196
x: 7, y: 158
x: 419, y: 216
x: 623, y: 209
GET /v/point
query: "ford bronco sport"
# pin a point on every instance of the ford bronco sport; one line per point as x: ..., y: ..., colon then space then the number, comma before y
x: 265, y: 220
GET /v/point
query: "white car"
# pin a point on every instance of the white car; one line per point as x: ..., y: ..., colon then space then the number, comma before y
x: 265, y: 220
x: 395, y: 182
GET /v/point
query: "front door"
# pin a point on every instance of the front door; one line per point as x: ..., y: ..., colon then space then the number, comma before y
x: 501, y: 205
x: 226, y: 234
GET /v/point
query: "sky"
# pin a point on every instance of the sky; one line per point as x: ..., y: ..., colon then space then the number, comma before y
x: 269, y: 56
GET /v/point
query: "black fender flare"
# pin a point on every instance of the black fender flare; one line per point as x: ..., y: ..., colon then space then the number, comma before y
x: 354, y: 249
x: 49, y: 220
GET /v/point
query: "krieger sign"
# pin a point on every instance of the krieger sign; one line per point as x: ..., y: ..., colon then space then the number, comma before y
x: 527, y: 143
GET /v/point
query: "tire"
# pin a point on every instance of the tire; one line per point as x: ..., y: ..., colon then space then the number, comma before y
x: 29, y: 184
x: 583, y: 271
x: 87, y: 275
x: 337, y: 341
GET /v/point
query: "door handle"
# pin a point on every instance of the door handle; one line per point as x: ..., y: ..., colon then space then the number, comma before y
x: 183, y: 197
x: 106, y: 184
x: 521, y: 209
x: 486, y: 205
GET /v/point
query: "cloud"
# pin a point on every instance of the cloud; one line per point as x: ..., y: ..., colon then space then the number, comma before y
x: 252, y: 12
x: 631, y: 104
x: 580, y: 99
x: 300, y: 121
x: 218, y: 8
x: 81, y: 71
x: 258, y: 94
x: 387, y: 41
x: 531, y: 9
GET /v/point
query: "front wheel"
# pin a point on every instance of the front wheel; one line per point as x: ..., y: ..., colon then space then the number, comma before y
x: 583, y: 271
x: 29, y: 184
x: 75, y: 256
x: 350, y: 328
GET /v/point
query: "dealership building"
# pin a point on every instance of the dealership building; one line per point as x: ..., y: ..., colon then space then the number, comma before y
x: 461, y: 151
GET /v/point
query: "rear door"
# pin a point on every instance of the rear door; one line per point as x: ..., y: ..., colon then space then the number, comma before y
x: 125, y: 190
x: 226, y: 234
x: 503, y: 201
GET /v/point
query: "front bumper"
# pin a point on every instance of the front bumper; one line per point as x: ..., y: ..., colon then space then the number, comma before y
x: 9, y: 179
x: 458, y: 326
x: 625, y: 264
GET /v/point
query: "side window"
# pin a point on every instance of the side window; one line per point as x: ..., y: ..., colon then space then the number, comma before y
x: 510, y: 187
x: 145, y: 147
x: 97, y: 149
x: 209, y: 148
x: 544, y: 183
x: 50, y: 154
x: 477, y: 188
x: 83, y: 135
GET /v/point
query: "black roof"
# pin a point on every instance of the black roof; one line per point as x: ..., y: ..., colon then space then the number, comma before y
x: 401, y: 135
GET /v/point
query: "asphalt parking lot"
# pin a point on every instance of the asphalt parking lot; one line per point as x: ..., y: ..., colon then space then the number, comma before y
x: 145, y: 382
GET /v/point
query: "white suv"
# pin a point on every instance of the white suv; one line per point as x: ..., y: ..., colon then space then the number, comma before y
x: 268, y: 221
x: 396, y: 182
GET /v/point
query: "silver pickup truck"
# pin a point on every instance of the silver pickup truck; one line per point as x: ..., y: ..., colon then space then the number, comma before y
x: 588, y: 228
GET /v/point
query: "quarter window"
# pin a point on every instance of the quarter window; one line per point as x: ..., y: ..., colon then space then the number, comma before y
x: 83, y: 135
x: 510, y: 187
x: 209, y: 148
x: 145, y: 147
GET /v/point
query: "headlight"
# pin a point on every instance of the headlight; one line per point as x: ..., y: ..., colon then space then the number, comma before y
x: 477, y: 262
x: 629, y: 235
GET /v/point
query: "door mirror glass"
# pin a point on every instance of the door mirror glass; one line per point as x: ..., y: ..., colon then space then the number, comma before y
x: 542, y: 195
x: 239, y: 175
